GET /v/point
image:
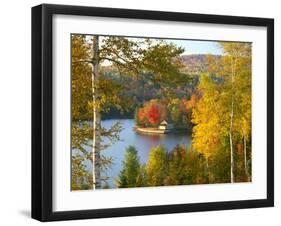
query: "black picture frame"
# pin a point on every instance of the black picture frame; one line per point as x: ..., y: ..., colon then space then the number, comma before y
x: 42, y: 196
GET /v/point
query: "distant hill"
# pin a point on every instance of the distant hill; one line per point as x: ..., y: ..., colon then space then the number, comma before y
x: 142, y: 89
x: 196, y: 63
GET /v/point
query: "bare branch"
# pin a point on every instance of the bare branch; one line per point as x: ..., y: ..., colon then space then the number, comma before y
x: 124, y: 65
x: 128, y: 62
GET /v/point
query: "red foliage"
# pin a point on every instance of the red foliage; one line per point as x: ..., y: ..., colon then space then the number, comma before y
x: 154, y: 114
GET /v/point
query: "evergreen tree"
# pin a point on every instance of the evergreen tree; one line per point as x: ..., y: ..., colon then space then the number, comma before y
x: 177, y: 166
x: 130, y: 175
x: 185, y: 167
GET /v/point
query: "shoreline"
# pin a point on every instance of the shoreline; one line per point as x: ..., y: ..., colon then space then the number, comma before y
x: 152, y: 131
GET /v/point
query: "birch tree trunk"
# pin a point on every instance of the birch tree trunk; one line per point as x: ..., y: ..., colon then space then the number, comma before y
x: 96, y: 118
x: 231, y: 157
x: 245, y: 157
x: 231, y: 125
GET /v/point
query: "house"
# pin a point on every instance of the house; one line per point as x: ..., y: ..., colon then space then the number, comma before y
x: 164, y: 125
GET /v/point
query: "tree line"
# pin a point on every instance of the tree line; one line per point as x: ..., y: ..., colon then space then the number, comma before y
x: 177, y: 111
x: 177, y: 167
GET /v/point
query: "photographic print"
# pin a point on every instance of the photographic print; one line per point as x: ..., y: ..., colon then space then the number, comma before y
x: 138, y: 112
x: 149, y: 112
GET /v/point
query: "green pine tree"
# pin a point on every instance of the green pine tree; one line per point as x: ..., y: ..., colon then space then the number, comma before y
x: 130, y: 175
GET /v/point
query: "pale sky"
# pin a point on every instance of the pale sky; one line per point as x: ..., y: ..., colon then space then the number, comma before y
x: 199, y: 47
x: 193, y: 46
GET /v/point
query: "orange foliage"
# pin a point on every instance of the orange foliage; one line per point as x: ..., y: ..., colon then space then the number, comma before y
x: 189, y: 104
x: 152, y: 113
x: 141, y: 115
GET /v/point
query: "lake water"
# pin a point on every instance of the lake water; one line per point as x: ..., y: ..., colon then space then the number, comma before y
x: 143, y: 143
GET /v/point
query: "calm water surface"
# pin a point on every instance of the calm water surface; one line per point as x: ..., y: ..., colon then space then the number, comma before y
x: 143, y: 143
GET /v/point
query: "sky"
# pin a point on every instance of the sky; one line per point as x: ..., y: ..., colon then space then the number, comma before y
x: 198, y: 47
x: 192, y: 46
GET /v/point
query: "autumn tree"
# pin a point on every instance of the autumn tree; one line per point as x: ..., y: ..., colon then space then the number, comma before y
x: 244, y: 96
x: 180, y: 111
x: 81, y: 179
x: 219, y: 165
x: 209, y: 119
x: 195, y: 168
x: 177, y: 172
x: 80, y: 96
x: 158, y: 60
x: 222, y: 114
x: 237, y: 70
x: 176, y: 110
x: 110, y: 94
x: 152, y: 113
x: 156, y: 166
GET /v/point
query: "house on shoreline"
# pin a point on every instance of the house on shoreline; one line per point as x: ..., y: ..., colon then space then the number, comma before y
x: 164, y: 125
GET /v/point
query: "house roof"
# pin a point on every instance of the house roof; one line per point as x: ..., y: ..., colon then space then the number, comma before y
x: 164, y: 123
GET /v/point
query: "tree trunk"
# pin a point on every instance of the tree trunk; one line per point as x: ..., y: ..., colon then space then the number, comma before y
x: 231, y: 125
x: 96, y: 118
x: 245, y: 157
x: 207, y: 169
x: 231, y: 158
x: 231, y: 144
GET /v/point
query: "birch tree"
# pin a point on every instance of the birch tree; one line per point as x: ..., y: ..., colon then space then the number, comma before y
x: 237, y: 66
x: 224, y: 110
x: 159, y: 60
